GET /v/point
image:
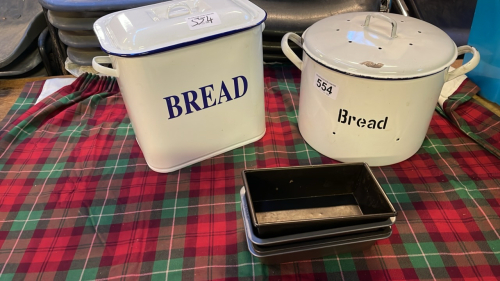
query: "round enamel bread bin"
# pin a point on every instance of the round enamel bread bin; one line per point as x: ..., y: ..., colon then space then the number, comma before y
x: 191, y: 76
x: 370, y: 84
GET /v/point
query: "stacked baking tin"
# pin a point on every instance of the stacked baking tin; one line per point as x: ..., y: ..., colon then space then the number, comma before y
x: 298, y: 213
x: 21, y: 23
x: 74, y: 20
x: 297, y: 16
x: 75, y: 32
x: 74, y: 23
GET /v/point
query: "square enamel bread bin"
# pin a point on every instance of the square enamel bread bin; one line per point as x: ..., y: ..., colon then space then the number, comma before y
x: 191, y: 76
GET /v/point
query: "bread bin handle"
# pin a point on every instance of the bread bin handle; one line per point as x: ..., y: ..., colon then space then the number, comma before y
x: 176, y: 5
x: 288, y: 51
x: 466, y: 67
x: 96, y: 64
x: 393, y: 23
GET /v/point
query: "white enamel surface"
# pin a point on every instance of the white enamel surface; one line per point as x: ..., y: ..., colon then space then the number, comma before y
x: 407, y: 104
x: 96, y: 64
x: 288, y: 51
x: 148, y: 28
x: 474, y: 61
x: 381, y: 78
x: 170, y: 144
x: 342, y: 42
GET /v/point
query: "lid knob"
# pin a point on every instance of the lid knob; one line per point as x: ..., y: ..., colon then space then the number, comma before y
x: 173, y: 10
x: 383, y: 17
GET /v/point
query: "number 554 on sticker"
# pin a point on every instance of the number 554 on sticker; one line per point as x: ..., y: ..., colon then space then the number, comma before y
x: 329, y: 89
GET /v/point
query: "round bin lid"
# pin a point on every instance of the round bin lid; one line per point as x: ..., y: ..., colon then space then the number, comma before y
x: 174, y: 24
x: 379, y: 45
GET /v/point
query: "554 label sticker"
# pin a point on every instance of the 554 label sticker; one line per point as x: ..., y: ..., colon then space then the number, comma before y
x: 329, y: 89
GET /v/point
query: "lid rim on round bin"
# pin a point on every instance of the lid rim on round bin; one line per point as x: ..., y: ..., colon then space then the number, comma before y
x: 379, y: 46
x: 135, y: 32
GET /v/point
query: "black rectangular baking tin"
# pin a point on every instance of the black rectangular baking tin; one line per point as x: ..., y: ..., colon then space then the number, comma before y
x: 302, y: 188
x: 300, y: 237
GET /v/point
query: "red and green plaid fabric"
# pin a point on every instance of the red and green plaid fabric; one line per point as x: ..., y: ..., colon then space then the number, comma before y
x: 78, y: 202
x: 468, y: 115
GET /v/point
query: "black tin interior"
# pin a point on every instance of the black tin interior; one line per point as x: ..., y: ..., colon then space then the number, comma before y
x: 304, y: 236
x: 300, y: 189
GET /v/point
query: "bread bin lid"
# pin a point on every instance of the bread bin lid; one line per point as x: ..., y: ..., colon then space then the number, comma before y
x: 174, y: 24
x: 379, y: 45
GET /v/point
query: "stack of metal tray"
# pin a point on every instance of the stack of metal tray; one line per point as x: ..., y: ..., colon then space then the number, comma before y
x: 72, y: 23
x: 75, y: 30
x: 296, y: 16
x: 21, y: 23
x: 298, y: 213
x: 74, y: 20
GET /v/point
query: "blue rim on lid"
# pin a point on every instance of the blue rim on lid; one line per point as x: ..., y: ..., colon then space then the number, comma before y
x: 175, y: 24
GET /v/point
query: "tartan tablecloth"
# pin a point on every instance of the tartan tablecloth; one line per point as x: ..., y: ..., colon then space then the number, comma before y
x: 78, y: 202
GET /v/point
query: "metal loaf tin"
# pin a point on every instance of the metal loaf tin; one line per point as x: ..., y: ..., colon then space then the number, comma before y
x: 313, y: 249
x: 333, y: 232
x: 284, y: 201
x: 316, y: 248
